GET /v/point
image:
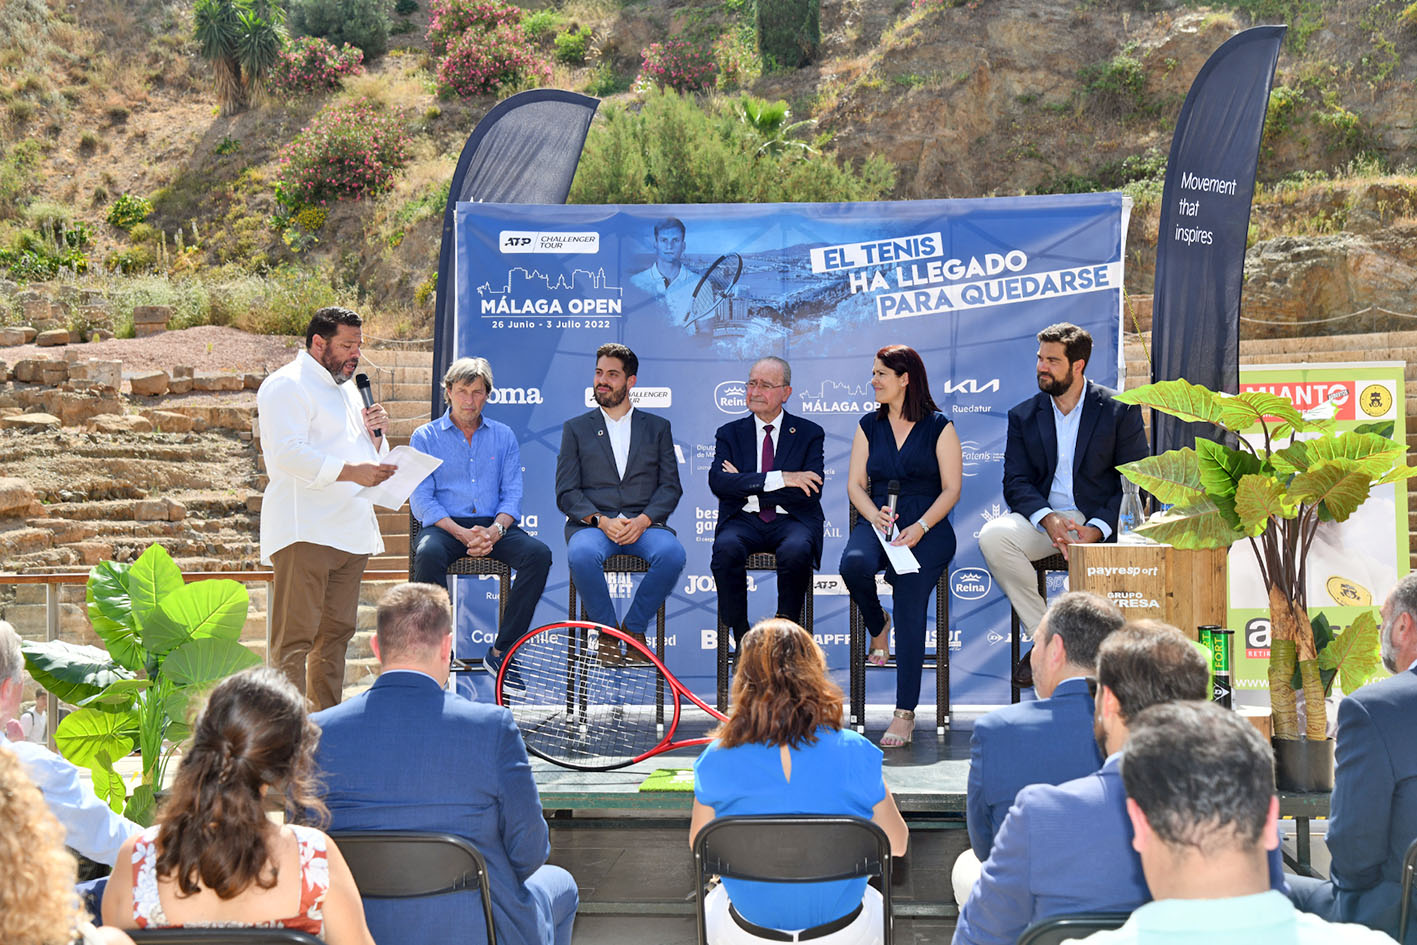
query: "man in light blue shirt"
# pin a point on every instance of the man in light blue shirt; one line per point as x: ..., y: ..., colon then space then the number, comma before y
x: 1200, y: 798
x: 472, y: 503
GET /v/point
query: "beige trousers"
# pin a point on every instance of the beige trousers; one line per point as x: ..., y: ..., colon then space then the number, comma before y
x: 1010, y: 545
x: 316, y: 602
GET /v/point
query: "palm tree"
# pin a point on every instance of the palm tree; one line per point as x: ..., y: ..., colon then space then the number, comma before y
x: 241, y: 39
x: 770, y: 121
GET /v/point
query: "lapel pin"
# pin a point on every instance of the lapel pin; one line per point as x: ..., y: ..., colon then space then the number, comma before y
x: 791, y: 429
x: 599, y: 432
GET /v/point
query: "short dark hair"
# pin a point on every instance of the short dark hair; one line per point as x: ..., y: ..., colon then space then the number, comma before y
x: 903, y: 359
x: 1146, y: 665
x: 1202, y: 775
x: 670, y: 223
x: 621, y: 353
x: 326, y: 321
x: 1082, y: 620
x: 411, y: 620
x: 1076, y: 342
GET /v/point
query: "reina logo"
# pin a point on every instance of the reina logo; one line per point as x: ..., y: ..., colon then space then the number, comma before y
x: 731, y: 397
x: 970, y: 583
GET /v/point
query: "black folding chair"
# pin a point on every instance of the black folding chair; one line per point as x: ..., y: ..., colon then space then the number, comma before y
x: 221, y: 937
x: 757, y: 561
x: 1062, y: 928
x: 1041, y: 567
x: 802, y: 848
x: 1409, y: 868
x: 406, y: 864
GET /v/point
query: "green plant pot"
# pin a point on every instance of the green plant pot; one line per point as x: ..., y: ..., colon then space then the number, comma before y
x: 1302, y: 766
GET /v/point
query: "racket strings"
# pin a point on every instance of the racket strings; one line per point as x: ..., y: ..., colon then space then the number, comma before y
x: 576, y: 710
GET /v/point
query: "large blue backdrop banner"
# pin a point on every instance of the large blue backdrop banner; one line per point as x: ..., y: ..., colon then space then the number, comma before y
x: 967, y: 283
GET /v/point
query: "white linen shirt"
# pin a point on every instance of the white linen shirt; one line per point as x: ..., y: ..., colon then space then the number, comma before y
x: 311, y: 427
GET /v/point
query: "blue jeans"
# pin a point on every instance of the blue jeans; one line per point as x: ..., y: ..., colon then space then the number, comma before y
x: 557, y: 897
x: 586, y: 552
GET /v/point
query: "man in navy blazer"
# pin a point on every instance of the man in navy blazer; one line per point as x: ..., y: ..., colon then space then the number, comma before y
x: 406, y: 755
x: 1068, y: 848
x: 617, y: 480
x: 1060, y: 470
x: 767, y: 473
x: 1047, y: 741
x: 1373, y: 815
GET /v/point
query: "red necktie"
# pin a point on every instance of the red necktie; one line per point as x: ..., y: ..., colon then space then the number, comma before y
x: 768, y: 513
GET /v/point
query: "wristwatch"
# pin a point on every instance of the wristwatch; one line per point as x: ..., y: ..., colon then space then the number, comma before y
x: 501, y: 529
x: 595, y: 520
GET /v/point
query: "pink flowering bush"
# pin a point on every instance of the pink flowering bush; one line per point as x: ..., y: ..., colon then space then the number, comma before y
x: 450, y: 19
x: 311, y: 64
x: 346, y: 151
x: 677, y: 65
x: 481, y: 61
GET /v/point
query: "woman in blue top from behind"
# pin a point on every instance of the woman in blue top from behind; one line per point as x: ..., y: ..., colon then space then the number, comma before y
x: 783, y: 751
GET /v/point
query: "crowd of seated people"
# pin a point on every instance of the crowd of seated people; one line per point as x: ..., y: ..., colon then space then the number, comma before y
x: 1184, y: 795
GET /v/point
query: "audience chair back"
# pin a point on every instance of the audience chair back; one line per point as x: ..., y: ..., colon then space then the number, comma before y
x: 801, y: 848
x: 1409, y: 868
x: 1062, y: 928
x: 407, y: 864
x: 221, y: 937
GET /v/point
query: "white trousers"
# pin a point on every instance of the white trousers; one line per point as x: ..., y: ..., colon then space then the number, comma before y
x: 1010, y: 545
x: 865, y: 929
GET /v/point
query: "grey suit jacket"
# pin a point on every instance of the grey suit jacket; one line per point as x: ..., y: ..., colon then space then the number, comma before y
x: 588, y: 482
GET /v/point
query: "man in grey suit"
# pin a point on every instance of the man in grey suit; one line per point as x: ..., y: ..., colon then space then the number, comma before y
x: 617, y: 480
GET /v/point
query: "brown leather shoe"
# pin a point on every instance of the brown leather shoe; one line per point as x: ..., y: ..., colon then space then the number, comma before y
x: 1023, y: 672
x: 634, y: 657
x: 609, y: 651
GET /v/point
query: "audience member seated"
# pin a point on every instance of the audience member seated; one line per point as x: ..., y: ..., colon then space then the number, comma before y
x: 406, y: 755
x: 1047, y: 741
x: 1068, y: 848
x: 1200, y: 798
x: 37, y: 902
x: 783, y: 751
x: 1373, y: 816
x: 213, y: 859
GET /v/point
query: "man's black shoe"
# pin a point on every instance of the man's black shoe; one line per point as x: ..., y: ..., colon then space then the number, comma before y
x: 1023, y: 672
x: 512, y: 679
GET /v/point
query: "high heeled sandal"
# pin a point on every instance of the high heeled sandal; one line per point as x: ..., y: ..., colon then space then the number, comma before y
x: 891, y: 739
x: 879, y: 657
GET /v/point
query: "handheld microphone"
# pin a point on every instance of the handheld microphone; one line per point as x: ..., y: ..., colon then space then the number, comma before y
x: 892, y: 494
x: 361, y: 381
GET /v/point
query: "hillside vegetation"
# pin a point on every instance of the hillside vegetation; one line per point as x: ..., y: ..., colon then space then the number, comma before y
x: 139, y: 158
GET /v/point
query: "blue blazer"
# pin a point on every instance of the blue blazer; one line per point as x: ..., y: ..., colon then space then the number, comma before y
x: 1063, y: 848
x: 1044, y: 742
x: 799, y: 448
x: 1109, y: 434
x: 1373, y: 816
x: 405, y: 755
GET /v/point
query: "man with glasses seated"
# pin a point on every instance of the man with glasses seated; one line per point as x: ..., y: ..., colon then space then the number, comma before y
x: 767, y: 473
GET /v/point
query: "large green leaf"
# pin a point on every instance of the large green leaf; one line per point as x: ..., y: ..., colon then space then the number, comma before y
x: 120, y: 692
x: 1171, y: 476
x: 204, y: 661
x: 1339, y: 484
x: 151, y: 579
x: 1258, y: 498
x: 1248, y: 408
x: 1221, y: 470
x: 1401, y: 472
x: 140, y: 805
x: 86, y: 732
x: 1181, y: 398
x: 1195, y: 524
x: 1354, y: 653
x: 111, y: 613
x: 200, y: 609
x: 1373, y: 454
x: 70, y: 671
x: 108, y: 784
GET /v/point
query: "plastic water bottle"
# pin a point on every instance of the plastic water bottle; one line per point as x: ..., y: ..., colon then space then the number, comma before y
x: 1130, y: 516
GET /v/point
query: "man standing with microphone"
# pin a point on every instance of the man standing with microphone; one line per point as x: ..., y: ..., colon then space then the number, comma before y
x: 321, y: 448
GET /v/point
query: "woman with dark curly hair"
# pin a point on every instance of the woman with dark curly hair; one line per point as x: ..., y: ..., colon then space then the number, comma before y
x: 783, y: 750
x: 213, y: 858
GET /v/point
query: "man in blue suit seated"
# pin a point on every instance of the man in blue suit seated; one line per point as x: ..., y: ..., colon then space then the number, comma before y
x: 1068, y: 848
x: 406, y: 755
x: 1373, y: 815
x: 1200, y: 798
x: 767, y: 473
x: 1047, y: 741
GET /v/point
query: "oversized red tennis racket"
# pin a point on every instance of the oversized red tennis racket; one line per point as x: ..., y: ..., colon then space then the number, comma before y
x: 579, y: 712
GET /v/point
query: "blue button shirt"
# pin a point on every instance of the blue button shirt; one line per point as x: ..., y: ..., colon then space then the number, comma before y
x: 478, y: 478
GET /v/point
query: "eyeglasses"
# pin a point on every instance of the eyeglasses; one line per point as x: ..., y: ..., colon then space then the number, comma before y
x: 763, y: 385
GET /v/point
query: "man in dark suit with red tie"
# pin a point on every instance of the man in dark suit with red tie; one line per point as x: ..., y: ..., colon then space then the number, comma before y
x: 767, y: 473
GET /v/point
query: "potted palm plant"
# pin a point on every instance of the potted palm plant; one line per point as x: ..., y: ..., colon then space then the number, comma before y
x: 1271, y: 491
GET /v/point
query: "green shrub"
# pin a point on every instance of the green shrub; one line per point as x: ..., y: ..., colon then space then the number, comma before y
x: 1283, y: 113
x: 406, y: 7
x: 17, y: 163
x: 143, y: 233
x: 132, y: 260
x: 736, y: 55
x: 672, y: 150
x: 401, y: 27
x: 128, y: 210
x: 572, y: 46
x: 606, y: 81
x: 362, y: 23
x: 541, y: 25
x: 1343, y: 130
x: 789, y: 32
x: 1117, y: 86
x: 347, y: 150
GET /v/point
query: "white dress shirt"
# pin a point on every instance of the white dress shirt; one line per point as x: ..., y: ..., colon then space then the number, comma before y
x: 773, y: 480
x: 619, y: 433
x: 311, y: 427
x: 1060, y: 494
